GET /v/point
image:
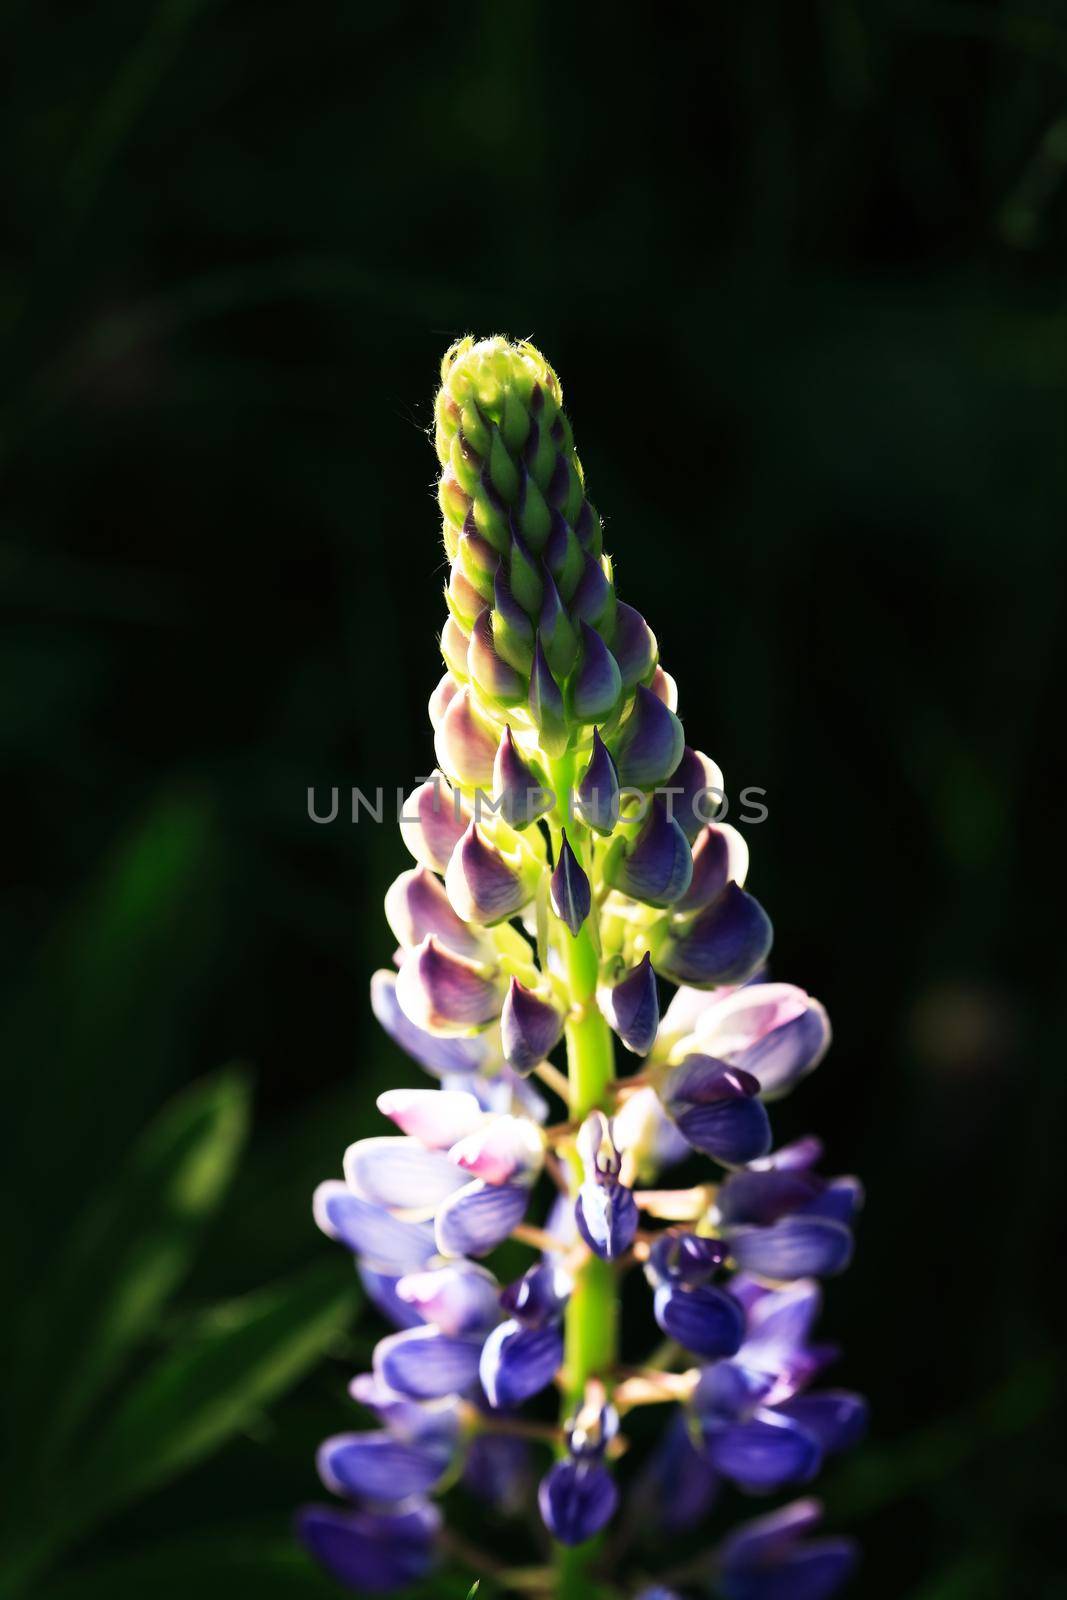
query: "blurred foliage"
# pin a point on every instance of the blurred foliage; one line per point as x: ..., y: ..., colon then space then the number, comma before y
x: 801, y: 267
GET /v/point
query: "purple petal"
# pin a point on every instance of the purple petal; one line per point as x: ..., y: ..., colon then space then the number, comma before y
x: 479, y: 1217
x: 529, y: 1027
x: 376, y: 1466
x: 796, y: 1247
x: 592, y: 596
x: 497, y: 1470
x: 703, y: 1319
x: 835, y: 1418
x: 762, y: 1454
x: 764, y: 1197
x: 518, y: 1362
x: 367, y: 1229
x: 730, y: 1131
x: 372, y: 1552
x: 439, y: 1056
x: 400, y: 1174
x: 813, y: 1573
x: 577, y: 1499
x: 679, y: 1487
x: 426, y: 1364
x: 484, y: 887
x: 607, y: 1218
x: 539, y: 1296
x: 381, y: 1292
x: 684, y: 1258
x: 466, y: 743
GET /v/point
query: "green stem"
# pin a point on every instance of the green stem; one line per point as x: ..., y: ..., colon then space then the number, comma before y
x: 591, y: 1325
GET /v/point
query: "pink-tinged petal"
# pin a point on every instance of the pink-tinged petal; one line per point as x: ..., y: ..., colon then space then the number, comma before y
x: 436, y: 1117
x: 444, y: 993
x: 446, y: 690
x: 501, y: 1150
x: 460, y: 1299
x: 400, y: 1174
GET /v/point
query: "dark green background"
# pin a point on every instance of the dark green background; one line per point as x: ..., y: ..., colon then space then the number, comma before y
x: 801, y: 269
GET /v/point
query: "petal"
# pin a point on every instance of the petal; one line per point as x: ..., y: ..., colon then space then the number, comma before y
x: 703, y: 1319
x: 459, y: 1299
x: 597, y: 795
x: 518, y: 1362
x: 497, y: 1470
x: 378, y: 1467
x: 383, y: 1239
x: 400, y: 1174
x: 479, y: 1216
x: 577, y: 1500
x: 763, y: 1197
x: 679, y: 1487
x: 484, y: 886
x: 649, y: 1137
x: 731, y: 1131
x: 466, y: 743
x: 436, y: 1117
x: 836, y: 1418
x: 703, y: 791
x: 607, y: 1218
x: 812, y: 1573
x: 649, y: 743
x: 796, y: 1247
x: 437, y: 1055
x: 381, y: 1292
x: 417, y: 905
x: 432, y: 822
x: 539, y: 1296
x: 569, y: 889
x: 657, y: 866
x: 502, y: 1150
x: 371, y: 1552
x: 426, y: 1364
x: 763, y: 1454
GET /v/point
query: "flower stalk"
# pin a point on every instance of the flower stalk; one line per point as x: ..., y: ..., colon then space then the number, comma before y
x: 566, y: 867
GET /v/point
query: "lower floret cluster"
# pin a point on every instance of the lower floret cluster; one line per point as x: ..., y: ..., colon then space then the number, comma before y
x: 570, y: 857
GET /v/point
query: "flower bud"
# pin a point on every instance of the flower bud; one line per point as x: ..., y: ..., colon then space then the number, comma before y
x: 417, y: 905
x: 593, y: 598
x: 596, y: 685
x: 445, y: 993
x: 517, y: 786
x: 701, y: 783
x: 483, y: 885
x: 632, y: 1006
x: 649, y: 744
x: 432, y: 823
x: 465, y: 743
x: 529, y: 1026
x: 657, y: 866
x: 495, y: 677
x: 546, y: 704
x: 569, y: 889
x: 726, y: 942
x: 634, y: 645
x: 556, y: 631
x: 720, y: 856
x: 598, y: 792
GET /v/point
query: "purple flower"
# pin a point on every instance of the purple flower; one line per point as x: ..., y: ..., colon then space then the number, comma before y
x: 372, y: 1552
x: 786, y: 1222
x: 605, y: 1210
x: 769, y: 1559
x: 578, y: 1496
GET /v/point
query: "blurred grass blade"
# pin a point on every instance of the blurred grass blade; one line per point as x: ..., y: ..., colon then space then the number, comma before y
x: 133, y: 1249
x: 214, y: 1383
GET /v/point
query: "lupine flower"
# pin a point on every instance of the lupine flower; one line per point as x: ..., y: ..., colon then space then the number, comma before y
x: 570, y: 858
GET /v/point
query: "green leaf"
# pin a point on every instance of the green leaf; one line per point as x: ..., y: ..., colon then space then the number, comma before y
x: 132, y: 1250
x: 214, y: 1383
